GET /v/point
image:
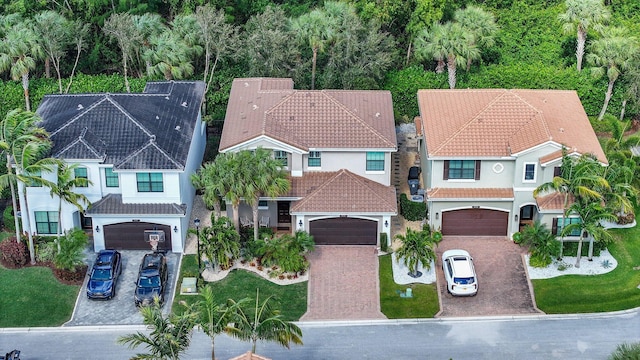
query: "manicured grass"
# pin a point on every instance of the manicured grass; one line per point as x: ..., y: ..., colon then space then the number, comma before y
x: 291, y: 300
x: 33, y: 297
x: 423, y: 304
x: 616, y: 290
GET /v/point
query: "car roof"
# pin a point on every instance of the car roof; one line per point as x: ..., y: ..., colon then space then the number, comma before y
x: 104, y: 257
x: 461, y: 262
x: 152, y: 261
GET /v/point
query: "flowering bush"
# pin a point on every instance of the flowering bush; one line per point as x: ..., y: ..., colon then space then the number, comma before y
x: 14, y: 254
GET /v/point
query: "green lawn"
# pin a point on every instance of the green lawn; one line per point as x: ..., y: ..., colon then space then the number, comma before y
x: 616, y: 290
x: 424, y: 303
x: 290, y: 299
x: 33, y: 297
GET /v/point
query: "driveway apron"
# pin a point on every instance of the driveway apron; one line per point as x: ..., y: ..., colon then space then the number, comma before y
x: 503, y: 286
x: 343, y: 284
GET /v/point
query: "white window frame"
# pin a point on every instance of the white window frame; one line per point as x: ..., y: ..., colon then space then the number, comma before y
x: 319, y: 157
x: 278, y: 155
x: 524, y: 172
x: 263, y: 207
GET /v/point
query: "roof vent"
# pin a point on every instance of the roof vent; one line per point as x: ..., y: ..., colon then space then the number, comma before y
x: 157, y: 117
x: 166, y: 97
x: 246, y: 84
x: 80, y: 107
x: 561, y: 130
x: 152, y: 138
x: 184, y: 104
x: 177, y: 127
x: 254, y: 107
x: 377, y: 114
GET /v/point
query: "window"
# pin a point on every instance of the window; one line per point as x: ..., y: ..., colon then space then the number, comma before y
x: 529, y: 172
x: 526, y: 212
x: 375, y: 161
x: 314, y: 159
x: 281, y: 156
x: 263, y: 205
x: 149, y: 182
x: 111, y: 178
x: 46, y: 222
x: 34, y: 182
x: 81, y: 173
x: 461, y: 169
x: 557, y: 171
x: 558, y: 226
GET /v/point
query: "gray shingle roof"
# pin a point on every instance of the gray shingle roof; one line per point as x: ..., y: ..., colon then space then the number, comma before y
x: 112, y: 205
x: 148, y: 131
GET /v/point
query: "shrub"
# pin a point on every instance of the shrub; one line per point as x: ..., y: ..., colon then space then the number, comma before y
x: 542, y: 244
x: 14, y: 254
x: 8, y: 219
x: 288, y: 252
x: 570, y: 248
x: 540, y: 261
x: 411, y: 210
x: 384, y: 246
x: 626, y: 351
x: 46, y: 251
x: 72, y: 244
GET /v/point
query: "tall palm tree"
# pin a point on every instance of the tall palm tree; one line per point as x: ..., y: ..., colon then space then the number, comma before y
x: 480, y: 23
x: 64, y: 188
x: 263, y: 322
x: 418, y: 247
x: 316, y: 29
x: 208, y: 179
x: 214, y: 318
x: 19, y: 52
x: 169, y: 337
x: 450, y: 42
x: 612, y: 55
x: 591, y: 214
x: 17, y: 129
x: 581, y: 15
x: 170, y: 56
x: 147, y: 26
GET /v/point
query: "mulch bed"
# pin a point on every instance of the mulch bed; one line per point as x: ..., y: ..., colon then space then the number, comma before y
x: 66, y: 277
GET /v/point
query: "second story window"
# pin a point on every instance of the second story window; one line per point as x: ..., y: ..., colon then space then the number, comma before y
x: 34, y: 182
x: 461, y: 169
x: 281, y: 156
x: 314, y: 159
x: 529, y: 172
x: 375, y: 161
x: 111, y: 178
x: 81, y: 173
x: 149, y: 182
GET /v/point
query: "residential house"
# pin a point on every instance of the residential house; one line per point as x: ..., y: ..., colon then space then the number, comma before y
x: 336, y: 145
x: 138, y: 151
x: 484, y: 151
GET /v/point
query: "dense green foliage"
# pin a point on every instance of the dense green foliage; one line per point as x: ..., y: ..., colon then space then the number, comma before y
x: 412, y: 210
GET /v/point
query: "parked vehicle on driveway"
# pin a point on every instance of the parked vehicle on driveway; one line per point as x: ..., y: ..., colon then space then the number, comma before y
x: 152, y: 279
x: 13, y: 355
x: 459, y: 273
x: 104, y: 275
x: 414, y: 179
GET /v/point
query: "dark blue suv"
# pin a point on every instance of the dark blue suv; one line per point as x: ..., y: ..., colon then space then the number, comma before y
x: 104, y: 275
x: 152, y: 279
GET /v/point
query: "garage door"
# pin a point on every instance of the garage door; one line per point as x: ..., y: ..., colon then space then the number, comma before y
x: 132, y: 236
x: 475, y: 222
x: 344, y: 231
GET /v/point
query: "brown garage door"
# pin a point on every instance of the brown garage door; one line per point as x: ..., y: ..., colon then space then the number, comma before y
x: 131, y: 236
x: 475, y: 222
x: 344, y: 231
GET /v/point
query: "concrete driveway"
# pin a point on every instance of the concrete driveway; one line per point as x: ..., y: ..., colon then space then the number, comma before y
x: 120, y: 310
x: 343, y: 284
x: 503, y: 285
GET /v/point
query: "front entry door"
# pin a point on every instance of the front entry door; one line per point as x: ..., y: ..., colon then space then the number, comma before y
x: 284, y: 218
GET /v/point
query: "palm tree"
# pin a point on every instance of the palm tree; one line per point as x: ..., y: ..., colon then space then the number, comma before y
x: 214, y: 318
x: 316, y: 29
x: 147, y: 26
x: 612, y: 55
x: 540, y: 241
x: 64, y: 188
x: 121, y: 28
x: 169, y: 337
x: 450, y: 42
x: 480, y: 23
x: 220, y: 243
x: 17, y: 129
x: 19, y: 51
x: 264, y: 177
x: 263, y: 322
x: 170, y: 56
x: 418, y: 248
x: 208, y: 180
x: 591, y: 214
x: 583, y: 15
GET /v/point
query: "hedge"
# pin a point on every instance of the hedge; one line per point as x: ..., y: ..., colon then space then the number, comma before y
x: 411, y: 210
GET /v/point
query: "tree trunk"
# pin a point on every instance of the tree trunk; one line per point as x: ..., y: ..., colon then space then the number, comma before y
x: 440, y: 66
x: 607, y: 97
x: 579, y: 254
x: 406, y: 63
x: 25, y: 86
x: 213, y: 352
x: 624, y: 106
x: 451, y: 67
x: 47, y: 68
x: 26, y: 223
x: 124, y: 67
x: 590, y: 248
x: 582, y: 39
x: 236, y: 217
x: 254, y: 210
x: 313, y: 69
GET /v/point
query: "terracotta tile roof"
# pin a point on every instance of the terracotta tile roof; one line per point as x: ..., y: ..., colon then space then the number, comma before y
x: 499, y: 122
x: 307, y: 118
x: 342, y: 192
x: 466, y: 193
x: 250, y: 356
x: 553, y: 201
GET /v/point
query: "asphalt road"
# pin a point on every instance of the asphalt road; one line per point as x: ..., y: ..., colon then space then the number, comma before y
x: 526, y: 337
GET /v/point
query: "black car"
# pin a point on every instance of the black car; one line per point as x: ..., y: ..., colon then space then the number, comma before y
x: 152, y: 279
x: 104, y: 275
x: 414, y: 179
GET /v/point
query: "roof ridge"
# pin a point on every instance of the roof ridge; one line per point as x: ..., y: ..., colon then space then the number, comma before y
x: 539, y: 112
x: 151, y: 142
x: 366, y: 182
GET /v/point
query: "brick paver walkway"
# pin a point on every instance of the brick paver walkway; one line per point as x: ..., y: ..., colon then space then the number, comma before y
x: 343, y: 284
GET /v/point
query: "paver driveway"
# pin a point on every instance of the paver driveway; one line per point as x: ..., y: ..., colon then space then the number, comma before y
x: 343, y: 284
x: 503, y: 286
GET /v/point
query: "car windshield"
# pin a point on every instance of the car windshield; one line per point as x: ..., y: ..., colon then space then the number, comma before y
x: 101, y: 274
x: 463, y: 280
x: 150, y: 281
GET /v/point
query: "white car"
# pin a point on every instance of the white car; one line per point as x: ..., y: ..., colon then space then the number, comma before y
x: 459, y: 273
